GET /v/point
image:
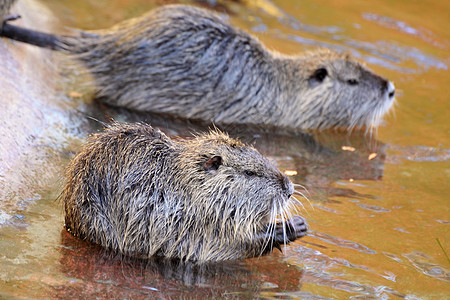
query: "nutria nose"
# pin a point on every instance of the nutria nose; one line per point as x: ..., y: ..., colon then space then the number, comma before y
x: 391, y: 89
x: 287, y: 186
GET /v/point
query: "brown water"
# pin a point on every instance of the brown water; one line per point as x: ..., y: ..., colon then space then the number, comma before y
x: 379, y: 227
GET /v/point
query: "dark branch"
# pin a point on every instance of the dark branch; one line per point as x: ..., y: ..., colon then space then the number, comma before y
x: 28, y: 36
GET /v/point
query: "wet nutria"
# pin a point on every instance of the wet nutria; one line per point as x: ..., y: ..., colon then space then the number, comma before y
x: 192, y: 63
x: 210, y: 198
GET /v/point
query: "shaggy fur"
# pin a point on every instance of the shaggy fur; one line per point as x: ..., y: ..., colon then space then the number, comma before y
x: 190, y: 62
x: 211, y: 198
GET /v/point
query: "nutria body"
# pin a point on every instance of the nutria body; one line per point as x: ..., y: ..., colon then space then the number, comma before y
x: 134, y: 190
x: 192, y: 63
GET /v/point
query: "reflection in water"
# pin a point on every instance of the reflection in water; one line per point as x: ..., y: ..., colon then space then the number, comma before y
x: 95, y: 272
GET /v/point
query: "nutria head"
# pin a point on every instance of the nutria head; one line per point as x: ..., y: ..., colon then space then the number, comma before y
x: 336, y: 91
x: 233, y: 182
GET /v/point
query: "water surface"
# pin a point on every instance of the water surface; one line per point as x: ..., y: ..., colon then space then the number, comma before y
x: 379, y: 227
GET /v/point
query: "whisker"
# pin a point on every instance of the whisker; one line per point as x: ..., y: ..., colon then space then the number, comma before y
x: 299, y: 203
x: 283, y: 223
x: 294, y: 205
x: 289, y: 208
x: 304, y: 196
x: 268, y: 236
x: 301, y: 193
x: 287, y: 219
x: 300, y: 186
x: 273, y: 225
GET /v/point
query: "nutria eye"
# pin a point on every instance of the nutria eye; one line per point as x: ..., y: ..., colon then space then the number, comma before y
x: 352, y: 81
x: 249, y: 173
x: 320, y: 74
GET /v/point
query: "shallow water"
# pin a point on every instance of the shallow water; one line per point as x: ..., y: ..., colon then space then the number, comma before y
x: 379, y: 227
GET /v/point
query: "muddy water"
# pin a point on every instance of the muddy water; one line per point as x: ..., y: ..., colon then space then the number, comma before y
x: 379, y: 227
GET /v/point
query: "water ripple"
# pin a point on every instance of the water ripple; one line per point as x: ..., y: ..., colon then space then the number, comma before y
x: 368, y: 292
x: 396, y: 53
x: 417, y: 154
x: 317, y: 268
x: 341, y: 242
x: 404, y: 27
x: 421, y: 263
x: 374, y: 208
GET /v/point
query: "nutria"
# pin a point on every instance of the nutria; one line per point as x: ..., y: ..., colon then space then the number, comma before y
x: 210, y: 198
x: 192, y: 63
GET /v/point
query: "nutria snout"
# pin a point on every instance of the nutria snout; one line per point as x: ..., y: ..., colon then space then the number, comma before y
x: 209, y: 198
x: 192, y: 63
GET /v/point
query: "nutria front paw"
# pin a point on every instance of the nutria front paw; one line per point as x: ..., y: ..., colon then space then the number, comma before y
x: 294, y: 228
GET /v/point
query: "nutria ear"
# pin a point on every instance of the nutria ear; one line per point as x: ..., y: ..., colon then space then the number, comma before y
x: 213, y: 163
x: 318, y: 76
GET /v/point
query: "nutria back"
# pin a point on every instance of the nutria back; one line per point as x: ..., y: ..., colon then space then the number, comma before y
x: 134, y: 190
x: 192, y: 63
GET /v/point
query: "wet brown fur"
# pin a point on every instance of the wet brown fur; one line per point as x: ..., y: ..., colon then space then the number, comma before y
x: 209, y: 198
x: 192, y: 63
